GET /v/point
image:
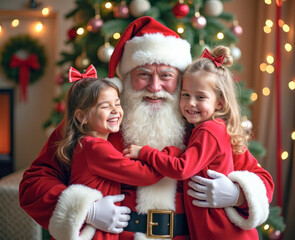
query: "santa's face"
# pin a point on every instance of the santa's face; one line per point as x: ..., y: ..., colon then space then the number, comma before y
x: 152, y: 115
x: 155, y: 78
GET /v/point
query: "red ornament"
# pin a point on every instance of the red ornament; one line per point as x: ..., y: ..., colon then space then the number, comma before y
x: 60, y: 107
x: 198, y: 22
x: 94, y: 24
x: 72, y: 33
x: 237, y: 30
x: 121, y: 11
x: 59, y: 79
x: 274, y: 235
x: 180, y: 10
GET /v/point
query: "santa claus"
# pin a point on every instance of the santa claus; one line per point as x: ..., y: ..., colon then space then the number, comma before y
x: 149, y: 59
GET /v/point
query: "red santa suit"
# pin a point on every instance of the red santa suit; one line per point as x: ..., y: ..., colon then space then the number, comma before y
x: 47, y: 178
x: 209, y: 147
x: 166, y: 194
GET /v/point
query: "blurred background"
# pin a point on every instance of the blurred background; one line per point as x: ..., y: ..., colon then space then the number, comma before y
x: 39, y: 40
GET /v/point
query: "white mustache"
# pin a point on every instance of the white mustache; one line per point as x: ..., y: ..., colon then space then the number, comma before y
x: 160, y: 94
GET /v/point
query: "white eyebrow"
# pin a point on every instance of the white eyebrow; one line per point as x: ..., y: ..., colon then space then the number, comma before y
x: 169, y: 70
x: 143, y: 69
x: 149, y: 70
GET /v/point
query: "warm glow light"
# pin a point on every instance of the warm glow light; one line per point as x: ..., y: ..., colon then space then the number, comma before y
x: 270, y: 69
x: 286, y: 28
x: 45, y: 11
x: 266, y: 227
x: 285, y: 155
x: 80, y: 31
x: 281, y: 23
x: 267, y: 29
x: 269, y: 23
x: 265, y: 91
x: 291, y: 85
x: 180, y: 30
x: 39, y: 27
x: 268, y: 2
x: 108, y: 5
x: 116, y: 35
x: 220, y: 35
x: 254, y: 97
x: 15, y: 23
x: 288, y: 47
x: 0, y: 29
x: 279, y: 2
x: 270, y: 59
x: 263, y: 67
x: 293, y: 135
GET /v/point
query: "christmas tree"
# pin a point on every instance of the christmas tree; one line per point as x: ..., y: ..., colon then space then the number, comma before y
x: 97, y: 25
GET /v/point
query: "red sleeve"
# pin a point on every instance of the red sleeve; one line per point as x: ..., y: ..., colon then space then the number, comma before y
x: 102, y: 159
x: 201, y: 151
x: 43, y: 182
x: 246, y: 161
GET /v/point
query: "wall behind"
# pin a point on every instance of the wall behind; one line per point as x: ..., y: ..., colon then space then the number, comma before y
x: 29, y: 137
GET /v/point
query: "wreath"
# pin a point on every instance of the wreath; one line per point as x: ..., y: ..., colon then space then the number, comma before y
x: 23, y: 60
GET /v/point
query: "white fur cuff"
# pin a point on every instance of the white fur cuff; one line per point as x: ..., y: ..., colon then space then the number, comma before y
x: 255, y: 193
x: 70, y: 212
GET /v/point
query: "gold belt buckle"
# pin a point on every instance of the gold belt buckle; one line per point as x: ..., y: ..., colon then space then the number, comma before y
x: 150, y: 223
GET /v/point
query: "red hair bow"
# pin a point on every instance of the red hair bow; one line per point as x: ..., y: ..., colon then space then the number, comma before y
x: 75, y: 75
x: 217, y: 60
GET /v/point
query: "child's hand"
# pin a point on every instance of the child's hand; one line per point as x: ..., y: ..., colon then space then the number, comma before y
x: 132, y: 151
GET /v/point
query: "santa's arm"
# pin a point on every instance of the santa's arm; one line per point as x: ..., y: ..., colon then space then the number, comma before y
x: 43, y: 183
x: 220, y: 191
x: 257, y: 186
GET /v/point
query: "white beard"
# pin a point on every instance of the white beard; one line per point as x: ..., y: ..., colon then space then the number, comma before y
x: 156, y: 125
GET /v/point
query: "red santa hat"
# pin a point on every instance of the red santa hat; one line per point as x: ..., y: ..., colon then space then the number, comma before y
x: 146, y: 41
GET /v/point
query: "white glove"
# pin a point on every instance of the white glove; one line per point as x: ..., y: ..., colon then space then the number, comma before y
x: 108, y: 217
x: 218, y: 192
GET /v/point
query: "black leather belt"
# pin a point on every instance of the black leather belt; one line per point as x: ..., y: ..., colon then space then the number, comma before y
x: 158, y: 224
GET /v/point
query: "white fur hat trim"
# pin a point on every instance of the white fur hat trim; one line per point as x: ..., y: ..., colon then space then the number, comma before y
x: 155, y: 48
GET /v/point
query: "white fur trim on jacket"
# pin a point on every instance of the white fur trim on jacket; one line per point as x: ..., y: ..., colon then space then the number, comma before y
x: 155, y: 48
x: 255, y: 193
x: 70, y: 213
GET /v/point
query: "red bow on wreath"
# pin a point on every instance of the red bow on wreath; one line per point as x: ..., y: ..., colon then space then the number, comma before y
x: 24, y: 66
x: 217, y: 60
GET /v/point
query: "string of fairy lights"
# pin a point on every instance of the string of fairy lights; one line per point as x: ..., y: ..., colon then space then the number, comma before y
x: 36, y: 25
x: 268, y: 66
x: 108, y: 6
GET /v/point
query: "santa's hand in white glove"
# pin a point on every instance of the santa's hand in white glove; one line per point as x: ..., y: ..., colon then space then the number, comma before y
x: 108, y: 217
x: 218, y: 192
